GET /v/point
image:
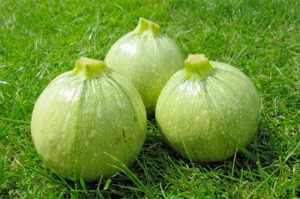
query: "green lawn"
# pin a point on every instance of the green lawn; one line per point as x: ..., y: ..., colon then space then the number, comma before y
x: 41, y: 39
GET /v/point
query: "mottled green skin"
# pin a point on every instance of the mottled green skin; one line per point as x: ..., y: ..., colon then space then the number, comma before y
x: 77, y: 122
x: 147, y: 61
x: 208, y: 119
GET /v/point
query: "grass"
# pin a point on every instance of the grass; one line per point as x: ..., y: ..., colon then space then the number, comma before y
x: 41, y: 39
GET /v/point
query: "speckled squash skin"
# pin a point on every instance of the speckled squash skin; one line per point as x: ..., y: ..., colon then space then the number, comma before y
x: 146, y: 58
x: 79, y: 125
x: 206, y: 119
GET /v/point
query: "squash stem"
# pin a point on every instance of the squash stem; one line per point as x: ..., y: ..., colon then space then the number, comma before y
x: 197, y: 66
x: 89, y: 68
x: 147, y: 27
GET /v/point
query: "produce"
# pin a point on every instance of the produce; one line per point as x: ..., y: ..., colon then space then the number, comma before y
x: 208, y: 110
x: 88, y: 121
x: 147, y: 58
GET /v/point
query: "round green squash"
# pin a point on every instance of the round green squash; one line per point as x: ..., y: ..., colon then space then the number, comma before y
x: 147, y: 58
x: 208, y: 110
x: 88, y: 122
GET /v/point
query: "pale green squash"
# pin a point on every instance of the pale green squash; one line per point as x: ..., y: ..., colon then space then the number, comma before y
x: 85, y: 119
x: 147, y: 58
x: 208, y: 110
